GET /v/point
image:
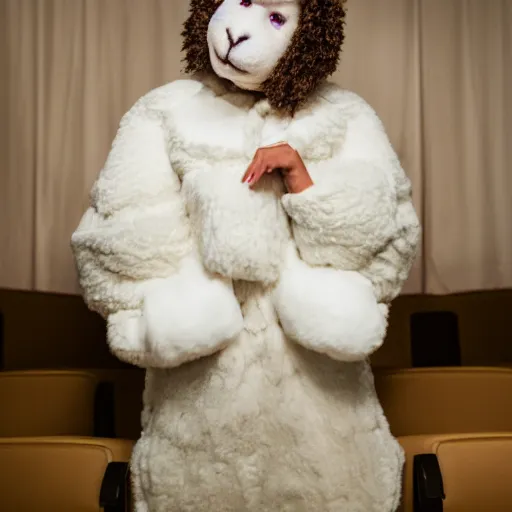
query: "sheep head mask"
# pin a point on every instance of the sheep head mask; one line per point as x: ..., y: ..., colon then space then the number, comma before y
x: 283, y: 49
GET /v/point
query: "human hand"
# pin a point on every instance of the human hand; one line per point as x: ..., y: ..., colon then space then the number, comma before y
x: 283, y: 158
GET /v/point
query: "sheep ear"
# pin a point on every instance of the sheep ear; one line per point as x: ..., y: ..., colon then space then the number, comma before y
x: 312, y: 56
x: 195, y: 43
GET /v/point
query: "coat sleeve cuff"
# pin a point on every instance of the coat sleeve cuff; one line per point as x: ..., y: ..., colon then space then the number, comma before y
x: 345, y: 218
x: 330, y: 311
x: 184, y: 317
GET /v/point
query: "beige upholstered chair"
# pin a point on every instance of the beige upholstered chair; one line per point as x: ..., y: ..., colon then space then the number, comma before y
x: 458, y: 473
x: 446, y: 400
x: 47, y: 403
x: 64, y: 475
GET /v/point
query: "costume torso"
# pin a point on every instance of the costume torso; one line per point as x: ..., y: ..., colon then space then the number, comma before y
x: 263, y: 425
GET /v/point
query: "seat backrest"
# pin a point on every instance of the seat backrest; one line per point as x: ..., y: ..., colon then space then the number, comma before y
x: 128, y: 387
x: 446, y: 400
x: 56, y: 474
x: 47, y: 403
x: 476, y: 471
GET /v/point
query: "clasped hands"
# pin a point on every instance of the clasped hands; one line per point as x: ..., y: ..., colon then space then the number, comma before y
x: 280, y: 157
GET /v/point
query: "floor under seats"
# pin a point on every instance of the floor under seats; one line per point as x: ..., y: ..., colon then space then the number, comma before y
x: 446, y: 400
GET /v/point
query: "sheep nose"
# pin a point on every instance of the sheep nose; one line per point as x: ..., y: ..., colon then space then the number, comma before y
x: 232, y: 41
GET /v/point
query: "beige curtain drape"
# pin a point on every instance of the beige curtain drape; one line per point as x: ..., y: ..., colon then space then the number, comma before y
x: 437, y: 72
x: 467, y: 143
x: 71, y: 69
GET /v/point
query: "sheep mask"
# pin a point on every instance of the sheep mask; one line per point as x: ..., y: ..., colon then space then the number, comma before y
x: 281, y: 48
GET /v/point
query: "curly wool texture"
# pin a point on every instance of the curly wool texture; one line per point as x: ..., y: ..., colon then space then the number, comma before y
x: 214, y: 428
x: 142, y: 222
x: 131, y: 247
x: 217, y: 200
x: 359, y: 216
x: 332, y: 222
x: 312, y: 57
x: 195, y: 44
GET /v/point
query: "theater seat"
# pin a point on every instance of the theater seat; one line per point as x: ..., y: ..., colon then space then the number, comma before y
x: 47, y: 403
x: 127, y: 390
x: 472, y: 471
x: 446, y: 400
x: 64, y: 474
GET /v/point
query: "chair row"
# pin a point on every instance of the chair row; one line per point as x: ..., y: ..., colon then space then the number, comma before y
x: 457, y: 473
x: 443, y: 473
x: 101, y: 403
x: 64, y: 474
x: 446, y: 400
x: 106, y: 403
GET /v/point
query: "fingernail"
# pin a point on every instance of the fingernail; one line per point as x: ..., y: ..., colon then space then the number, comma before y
x: 251, y: 177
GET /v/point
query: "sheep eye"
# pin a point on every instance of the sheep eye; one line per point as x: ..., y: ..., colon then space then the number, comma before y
x: 246, y: 3
x: 277, y: 19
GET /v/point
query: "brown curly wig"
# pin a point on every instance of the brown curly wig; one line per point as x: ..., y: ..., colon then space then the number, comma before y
x: 312, y: 57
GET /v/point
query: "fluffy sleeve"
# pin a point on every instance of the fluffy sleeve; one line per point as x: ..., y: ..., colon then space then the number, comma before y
x: 356, y: 233
x: 137, y: 263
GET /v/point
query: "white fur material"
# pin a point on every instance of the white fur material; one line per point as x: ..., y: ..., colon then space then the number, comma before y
x: 359, y: 214
x: 125, y: 333
x: 136, y: 258
x: 331, y: 311
x: 264, y: 425
x: 189, y: 315
x: 240, y: 246
x: 249, y: 54
x: 183, y: 317
x: 332, y: 222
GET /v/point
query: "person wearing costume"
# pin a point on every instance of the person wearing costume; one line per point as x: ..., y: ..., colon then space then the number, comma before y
x: 244, y: 240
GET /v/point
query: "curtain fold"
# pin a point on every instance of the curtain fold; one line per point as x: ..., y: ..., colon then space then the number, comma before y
x: 18, y: 89
x: 73, y: 68
x: 438, y: 73
x: 467, y: 128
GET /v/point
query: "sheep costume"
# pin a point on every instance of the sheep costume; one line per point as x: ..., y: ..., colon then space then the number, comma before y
x: 253, y: 311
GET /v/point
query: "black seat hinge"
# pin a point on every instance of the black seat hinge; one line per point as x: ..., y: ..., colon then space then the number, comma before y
x: 115, y: 488
x: 428, y: 484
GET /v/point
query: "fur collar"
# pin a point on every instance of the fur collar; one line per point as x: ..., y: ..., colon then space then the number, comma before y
x: 212, y: 139
x: 224, y: 121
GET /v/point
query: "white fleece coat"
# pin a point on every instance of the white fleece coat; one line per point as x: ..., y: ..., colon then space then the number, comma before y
x: 253, y: 311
